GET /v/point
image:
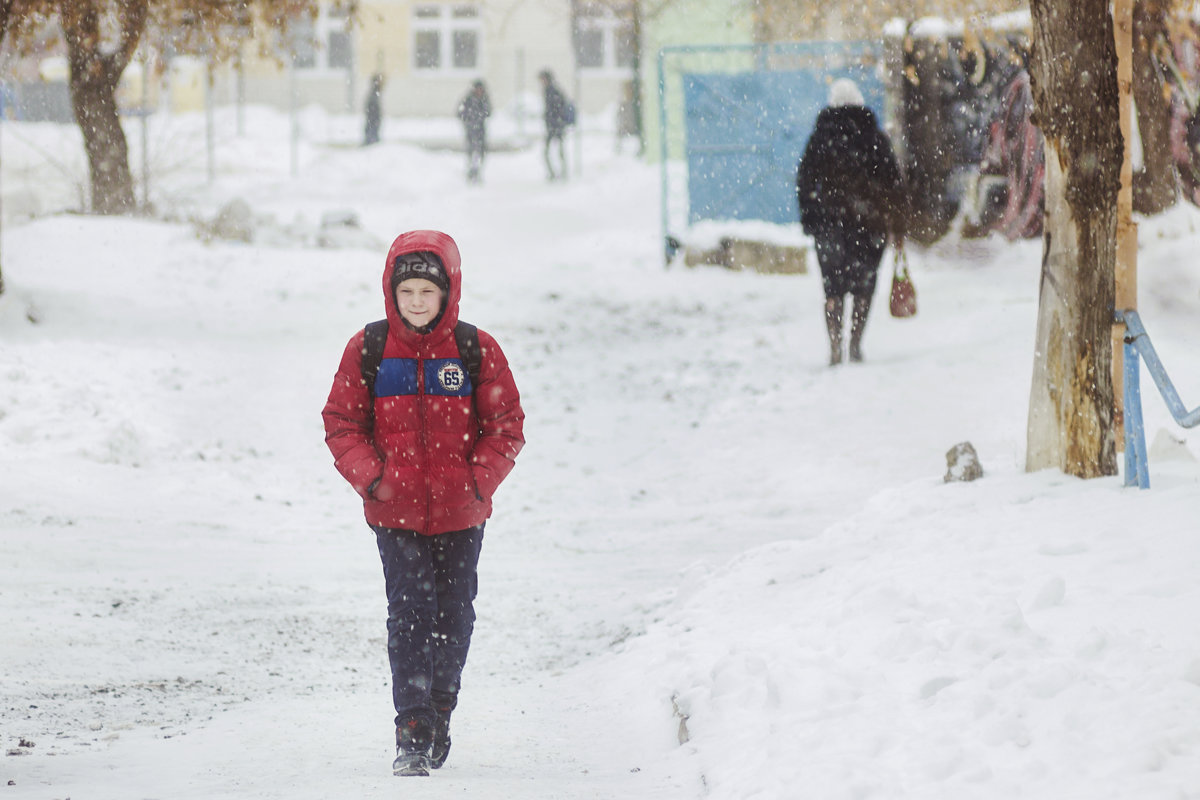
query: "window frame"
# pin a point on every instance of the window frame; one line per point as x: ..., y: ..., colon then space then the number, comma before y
x: 447, y: 26
x: 602, y: 18
x: 321, y: 32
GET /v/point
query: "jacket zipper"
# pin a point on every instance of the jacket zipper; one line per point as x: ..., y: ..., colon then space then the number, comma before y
x: 424, y: 444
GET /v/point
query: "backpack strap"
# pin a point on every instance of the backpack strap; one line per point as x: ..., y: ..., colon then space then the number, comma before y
x: 374, y: 337
x: 466, y: 336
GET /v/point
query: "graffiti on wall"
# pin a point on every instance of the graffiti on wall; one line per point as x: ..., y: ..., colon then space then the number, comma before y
x: 972, y: 155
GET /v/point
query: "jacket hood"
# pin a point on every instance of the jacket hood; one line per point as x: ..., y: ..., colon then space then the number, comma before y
x: 444, y: 247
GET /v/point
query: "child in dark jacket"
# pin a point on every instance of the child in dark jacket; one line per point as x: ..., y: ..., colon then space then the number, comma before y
x: 426, y: 449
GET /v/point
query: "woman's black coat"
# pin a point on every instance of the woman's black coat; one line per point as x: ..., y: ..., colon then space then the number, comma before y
x: 848, y: 176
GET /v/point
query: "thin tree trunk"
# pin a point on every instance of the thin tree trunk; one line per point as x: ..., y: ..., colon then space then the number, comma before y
x: 95, y: 104
x: 94, y: 76
x: 1073, y: 72
x: 1154, y: 187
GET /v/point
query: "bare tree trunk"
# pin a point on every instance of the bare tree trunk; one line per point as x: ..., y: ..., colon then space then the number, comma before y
x: 94, y: 75
x: 1154, y: 187
x: 1073, y: 72
x: 95, y: 105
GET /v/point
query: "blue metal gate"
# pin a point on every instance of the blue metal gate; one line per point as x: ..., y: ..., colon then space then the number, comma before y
x: 746, y: 133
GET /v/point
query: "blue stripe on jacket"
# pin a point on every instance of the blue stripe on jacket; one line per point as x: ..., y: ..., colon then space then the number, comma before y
x: 444, y: 377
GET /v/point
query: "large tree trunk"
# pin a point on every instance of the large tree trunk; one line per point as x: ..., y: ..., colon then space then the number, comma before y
x: 1154, y: 187
x: 1073, y: 71
x: 94, y: 76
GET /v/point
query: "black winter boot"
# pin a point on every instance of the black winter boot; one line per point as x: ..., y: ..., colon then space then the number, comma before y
x: 441, y: 738
x: 443, y: 705
x: 833, y: 323
x: 414, y: 738
x: 858, y: 323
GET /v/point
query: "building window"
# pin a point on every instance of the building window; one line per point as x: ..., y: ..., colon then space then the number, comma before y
x: 303, y: 44
x: 339, y: 46
x: 341, y: 51
x: 604, y: 37
x: 447, y: 37
x: 325, y: 45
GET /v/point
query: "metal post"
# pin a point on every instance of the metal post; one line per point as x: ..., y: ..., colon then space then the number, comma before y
x: 210, y: 136
x: 294, y: 104
x: 1137, y: 336
x: 578, y: 88
x: 520, y: 89
x: 351, y: 71
x: 662, y: 149
x: 240, y: 77
x: 1137, y: 471
x: 1131, y: 459
x: 578, y: 124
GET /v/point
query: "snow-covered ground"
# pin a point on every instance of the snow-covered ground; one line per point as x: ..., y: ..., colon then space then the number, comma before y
x: 720, y: 569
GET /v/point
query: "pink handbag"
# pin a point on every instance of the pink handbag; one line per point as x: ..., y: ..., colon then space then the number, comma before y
x: 904, y: 294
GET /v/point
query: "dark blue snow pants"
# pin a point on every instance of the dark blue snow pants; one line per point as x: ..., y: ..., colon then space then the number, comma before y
x: 431, y: 584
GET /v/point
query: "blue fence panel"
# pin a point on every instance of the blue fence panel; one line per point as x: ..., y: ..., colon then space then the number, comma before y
x: 746, y: 133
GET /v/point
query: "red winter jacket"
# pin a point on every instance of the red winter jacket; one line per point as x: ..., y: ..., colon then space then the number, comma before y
x: 422, y: 438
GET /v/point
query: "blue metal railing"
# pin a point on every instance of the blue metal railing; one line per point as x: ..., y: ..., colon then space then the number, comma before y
x: 1137, y: 342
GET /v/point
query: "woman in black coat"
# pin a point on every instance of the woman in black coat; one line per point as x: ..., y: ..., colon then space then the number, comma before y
x: 851, y: 197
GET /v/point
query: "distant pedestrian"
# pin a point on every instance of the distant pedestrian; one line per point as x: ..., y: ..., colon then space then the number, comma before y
x: 851, y: 196
x: 474, y: 110
x: 424, y: 421
x: 374, y: 110
x: 558, y: 114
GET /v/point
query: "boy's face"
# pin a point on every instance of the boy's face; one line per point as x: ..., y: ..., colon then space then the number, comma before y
x: 419, y: 301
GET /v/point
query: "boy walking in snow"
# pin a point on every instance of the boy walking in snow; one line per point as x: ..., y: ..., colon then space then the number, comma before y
x: 425, y: 443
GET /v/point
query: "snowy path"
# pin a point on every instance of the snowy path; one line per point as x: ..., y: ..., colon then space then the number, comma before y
x: 706, y: 519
